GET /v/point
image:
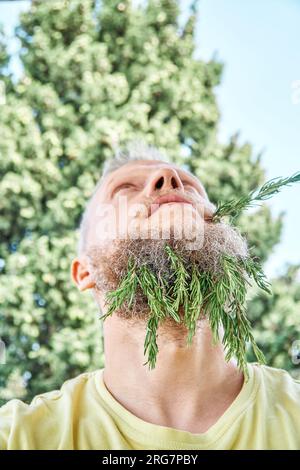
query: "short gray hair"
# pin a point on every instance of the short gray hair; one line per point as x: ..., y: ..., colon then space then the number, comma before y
x: 132, y: 151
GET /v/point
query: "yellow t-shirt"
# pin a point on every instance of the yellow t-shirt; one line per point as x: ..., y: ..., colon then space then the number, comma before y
x: 84, y: 415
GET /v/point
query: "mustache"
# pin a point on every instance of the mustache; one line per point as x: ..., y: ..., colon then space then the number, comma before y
x: 177, y: 195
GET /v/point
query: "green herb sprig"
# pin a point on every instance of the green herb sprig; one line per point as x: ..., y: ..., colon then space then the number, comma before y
x: 160, y: 307
x: 234, y: 207
x: 218, y: 297
x: 125, y: 292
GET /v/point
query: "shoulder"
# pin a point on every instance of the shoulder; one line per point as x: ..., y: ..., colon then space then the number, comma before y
x: 280, y: 390
x: 21, y: 422
x: 278, y: 380
x: 69, y: 389
x: 276, y: 409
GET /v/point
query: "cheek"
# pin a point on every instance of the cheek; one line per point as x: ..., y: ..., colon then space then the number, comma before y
x: 210, y: 208
x: 125, y: 218
x: 104, y: 229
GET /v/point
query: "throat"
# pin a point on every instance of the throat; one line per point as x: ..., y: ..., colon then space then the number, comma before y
x: 191, y: 387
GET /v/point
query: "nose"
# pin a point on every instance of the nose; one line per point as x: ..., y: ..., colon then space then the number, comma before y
x: 164, y: 180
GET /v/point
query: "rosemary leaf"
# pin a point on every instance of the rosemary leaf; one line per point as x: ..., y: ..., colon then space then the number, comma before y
x: 234, y: 207
x: 124, y: 292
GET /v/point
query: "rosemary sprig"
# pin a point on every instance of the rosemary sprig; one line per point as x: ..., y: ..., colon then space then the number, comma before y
x: 160, y: 307
x: 220, y: 297
x: 237, y: 328
x: 185, y: 294
x: 254, y: 270
x: 124, y: 293
x: 234, y: 207
x: 193, y: 307
x: 179, y: 291
x: 150, y: 344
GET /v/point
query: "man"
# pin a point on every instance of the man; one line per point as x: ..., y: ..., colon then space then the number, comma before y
x: 193, y: 398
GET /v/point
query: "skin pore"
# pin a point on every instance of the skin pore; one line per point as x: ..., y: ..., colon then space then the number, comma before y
x: 190, y: 387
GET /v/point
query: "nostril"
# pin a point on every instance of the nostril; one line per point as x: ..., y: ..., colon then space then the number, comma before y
x: 174, y: 182
x: 159, y: 183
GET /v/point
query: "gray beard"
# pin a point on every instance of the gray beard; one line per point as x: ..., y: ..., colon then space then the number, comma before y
x: 108, y: 263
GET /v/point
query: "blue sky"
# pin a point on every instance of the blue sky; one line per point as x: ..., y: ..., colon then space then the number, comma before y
x: 259, y: 43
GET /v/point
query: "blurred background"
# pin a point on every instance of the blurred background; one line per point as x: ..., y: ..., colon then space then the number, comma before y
x: 214, y: 85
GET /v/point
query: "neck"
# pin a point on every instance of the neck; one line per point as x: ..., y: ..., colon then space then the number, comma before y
x: 190, y: 387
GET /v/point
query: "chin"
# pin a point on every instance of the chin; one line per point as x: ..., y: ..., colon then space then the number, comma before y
x: 181, y: 220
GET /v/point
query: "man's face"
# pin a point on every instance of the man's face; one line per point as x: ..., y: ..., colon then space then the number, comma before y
x: 148, y: 199
x: 156, y: 194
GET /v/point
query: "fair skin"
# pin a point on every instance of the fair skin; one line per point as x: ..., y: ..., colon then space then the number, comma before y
x: 190, y: 387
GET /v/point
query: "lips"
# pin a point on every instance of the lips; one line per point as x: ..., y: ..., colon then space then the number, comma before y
x: 166, y: 199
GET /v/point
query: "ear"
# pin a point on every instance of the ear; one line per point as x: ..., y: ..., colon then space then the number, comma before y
x: 81, y: 274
